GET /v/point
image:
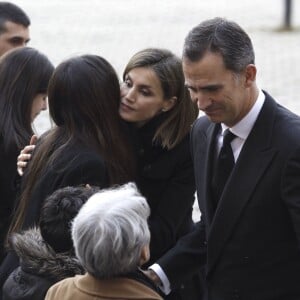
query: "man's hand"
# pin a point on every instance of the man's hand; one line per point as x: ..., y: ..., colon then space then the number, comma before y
x: 152, y: 275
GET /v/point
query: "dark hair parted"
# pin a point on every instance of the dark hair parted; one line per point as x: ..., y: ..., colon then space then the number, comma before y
x: 24, y: 73
x: 13, y: 13
x: 168, y: 69
x: 83, y: 99
x: 223, y: 37
x: 57, y: 213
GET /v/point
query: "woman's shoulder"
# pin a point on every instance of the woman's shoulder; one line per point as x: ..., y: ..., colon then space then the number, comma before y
x: 80, y: 165
x: 79, y: 153
x: 183, y: 146
x: 74, y: 166
x: 63, y: 289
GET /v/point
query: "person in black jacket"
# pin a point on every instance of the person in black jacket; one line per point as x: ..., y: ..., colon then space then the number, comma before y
x: 46, y: 252
x: 24, y: 76
x: 155, y: 102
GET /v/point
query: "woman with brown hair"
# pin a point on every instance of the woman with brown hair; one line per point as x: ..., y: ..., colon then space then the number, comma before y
x: 158, y: 107
x: 156, y: 104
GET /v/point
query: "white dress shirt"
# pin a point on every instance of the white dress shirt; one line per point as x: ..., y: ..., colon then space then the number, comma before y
x: 243, y: 128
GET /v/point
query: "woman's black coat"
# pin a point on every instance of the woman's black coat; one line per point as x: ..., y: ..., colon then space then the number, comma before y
x: 166, y: 179
x: 8, y: 190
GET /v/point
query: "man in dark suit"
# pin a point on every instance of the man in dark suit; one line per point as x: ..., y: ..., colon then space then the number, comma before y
x: 249, y: 235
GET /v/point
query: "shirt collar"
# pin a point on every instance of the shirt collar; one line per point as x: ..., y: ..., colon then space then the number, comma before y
x: 244, y: 126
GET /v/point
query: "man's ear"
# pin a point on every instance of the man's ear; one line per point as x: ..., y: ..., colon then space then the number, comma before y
x: 169, y: 104
x: 145, y: 255
x: 250, y: 74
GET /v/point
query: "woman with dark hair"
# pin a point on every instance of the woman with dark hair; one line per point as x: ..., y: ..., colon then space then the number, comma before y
x: 87, y: 145
x: 155, y: 102
x: 158, y: 107
x: 24, y: 77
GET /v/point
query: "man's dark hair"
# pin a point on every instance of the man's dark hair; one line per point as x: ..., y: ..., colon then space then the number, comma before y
x: 13, y: 13
x: 223, y: 37
x: 58, y: 212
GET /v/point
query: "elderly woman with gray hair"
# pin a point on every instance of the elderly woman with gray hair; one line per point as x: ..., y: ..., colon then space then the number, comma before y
x: 111, y: 239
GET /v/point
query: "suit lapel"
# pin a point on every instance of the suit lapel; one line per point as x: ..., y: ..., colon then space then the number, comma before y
x: 205, y: 147
x: 254, y: 159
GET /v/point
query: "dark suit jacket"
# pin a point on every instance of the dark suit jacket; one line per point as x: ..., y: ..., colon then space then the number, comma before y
x: 250, y: 244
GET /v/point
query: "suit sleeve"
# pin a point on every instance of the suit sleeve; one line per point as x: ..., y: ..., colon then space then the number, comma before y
x: 290, y: 187
x: 186, y: 258
x: 189, y: 254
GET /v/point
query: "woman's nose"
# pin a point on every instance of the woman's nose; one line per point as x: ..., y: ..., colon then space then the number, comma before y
x: 129, y: 94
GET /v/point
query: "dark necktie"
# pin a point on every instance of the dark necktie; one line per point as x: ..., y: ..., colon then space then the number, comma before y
x: 224, y: 166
